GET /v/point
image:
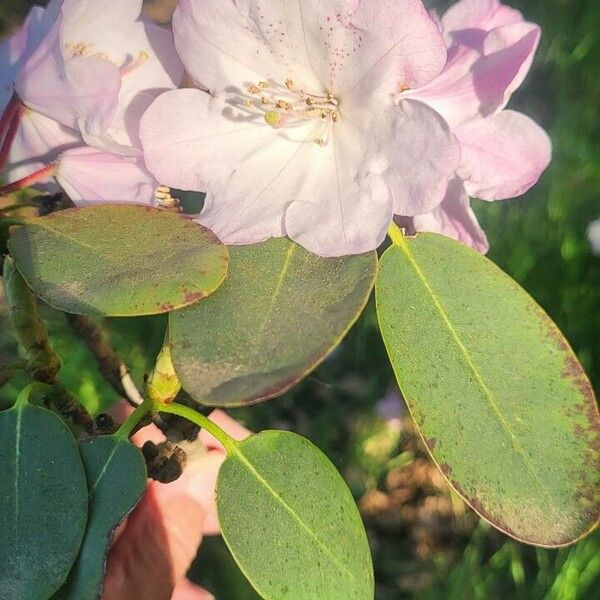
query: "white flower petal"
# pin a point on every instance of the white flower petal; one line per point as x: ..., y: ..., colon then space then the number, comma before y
x: 238, y: 43
x: 423, y: 156
x: 191, y: 138
x: 39, y: 141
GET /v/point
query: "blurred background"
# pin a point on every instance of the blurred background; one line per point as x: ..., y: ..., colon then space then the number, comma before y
x: 426, y: 543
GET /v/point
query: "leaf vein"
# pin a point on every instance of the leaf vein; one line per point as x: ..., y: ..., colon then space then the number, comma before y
x: 488, y: 394
x: 242, y: 457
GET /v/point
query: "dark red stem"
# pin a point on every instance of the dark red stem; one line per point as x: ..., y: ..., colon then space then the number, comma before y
x: 35, y: 177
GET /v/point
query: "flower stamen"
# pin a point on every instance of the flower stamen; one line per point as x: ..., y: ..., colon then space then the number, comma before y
x: 283, y: 105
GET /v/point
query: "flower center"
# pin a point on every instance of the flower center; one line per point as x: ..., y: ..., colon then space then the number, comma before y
x: 285, y: 106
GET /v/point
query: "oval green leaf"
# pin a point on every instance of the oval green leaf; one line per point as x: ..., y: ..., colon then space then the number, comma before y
x: 44, y: 502
x: 118, y: 260
x: 116, y: 476
x: 281, y: 311
x: 290, y: 521
x: 497, y: 393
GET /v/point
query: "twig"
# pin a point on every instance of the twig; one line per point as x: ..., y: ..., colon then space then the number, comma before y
x: 111, y: 366
x: 117, y: 375
x: 41, y: 362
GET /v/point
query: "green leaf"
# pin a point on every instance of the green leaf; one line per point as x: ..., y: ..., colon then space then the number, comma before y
x: 281, y: 311
x: 116, y: 476
x: 497, y: 393
x: 118, y: 260
x: 290, y: 521
x: 43, y: 496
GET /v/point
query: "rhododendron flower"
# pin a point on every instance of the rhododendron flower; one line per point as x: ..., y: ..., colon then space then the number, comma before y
x: 299, y: 134
x: 48, y: 77
x: 503, y: 152
x: 101, y: 66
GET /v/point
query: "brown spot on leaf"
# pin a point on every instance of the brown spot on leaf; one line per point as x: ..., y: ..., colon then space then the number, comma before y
x: 431, y: 443
x: 192, y: 297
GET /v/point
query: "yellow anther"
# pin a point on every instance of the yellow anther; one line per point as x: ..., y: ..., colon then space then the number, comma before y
x: 253, y: 89
x: 263, y: 85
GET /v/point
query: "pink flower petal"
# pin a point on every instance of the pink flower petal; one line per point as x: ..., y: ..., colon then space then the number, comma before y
x: 348, y: 42
x: 190, y: 138
x: 477, y: 15
x: 16, y: 49
x: 509, y: 53
x: 80, y: 92
x: 193, y: 141
x: 39, y: 141
x: 88, y: 176
x: 454, y: 218
x: 143, y: 51
x: 481, y: 81
x: 342, y: 216
x: 238, y: 43
x: 502, y: 156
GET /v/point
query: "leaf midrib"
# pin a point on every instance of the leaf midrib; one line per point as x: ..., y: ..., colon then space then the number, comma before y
x: 487, y: 393
x: 242, y: 457
x: 104, y: 469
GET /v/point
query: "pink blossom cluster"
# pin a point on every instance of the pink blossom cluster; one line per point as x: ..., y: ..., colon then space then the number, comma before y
x: 320, y: 120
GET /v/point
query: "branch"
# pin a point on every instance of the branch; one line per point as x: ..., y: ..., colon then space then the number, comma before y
x: 41, y: 362
x: 111, y: 366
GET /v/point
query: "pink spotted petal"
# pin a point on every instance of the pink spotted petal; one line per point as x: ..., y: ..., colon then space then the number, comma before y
x: 320, y: 44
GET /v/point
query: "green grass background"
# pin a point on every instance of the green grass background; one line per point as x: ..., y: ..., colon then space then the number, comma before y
x: 540, y: 239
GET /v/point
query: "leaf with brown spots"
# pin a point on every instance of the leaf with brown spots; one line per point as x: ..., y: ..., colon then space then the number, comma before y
x: 489, y: 376
x: 281, y: 311
x: 118, y: 260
